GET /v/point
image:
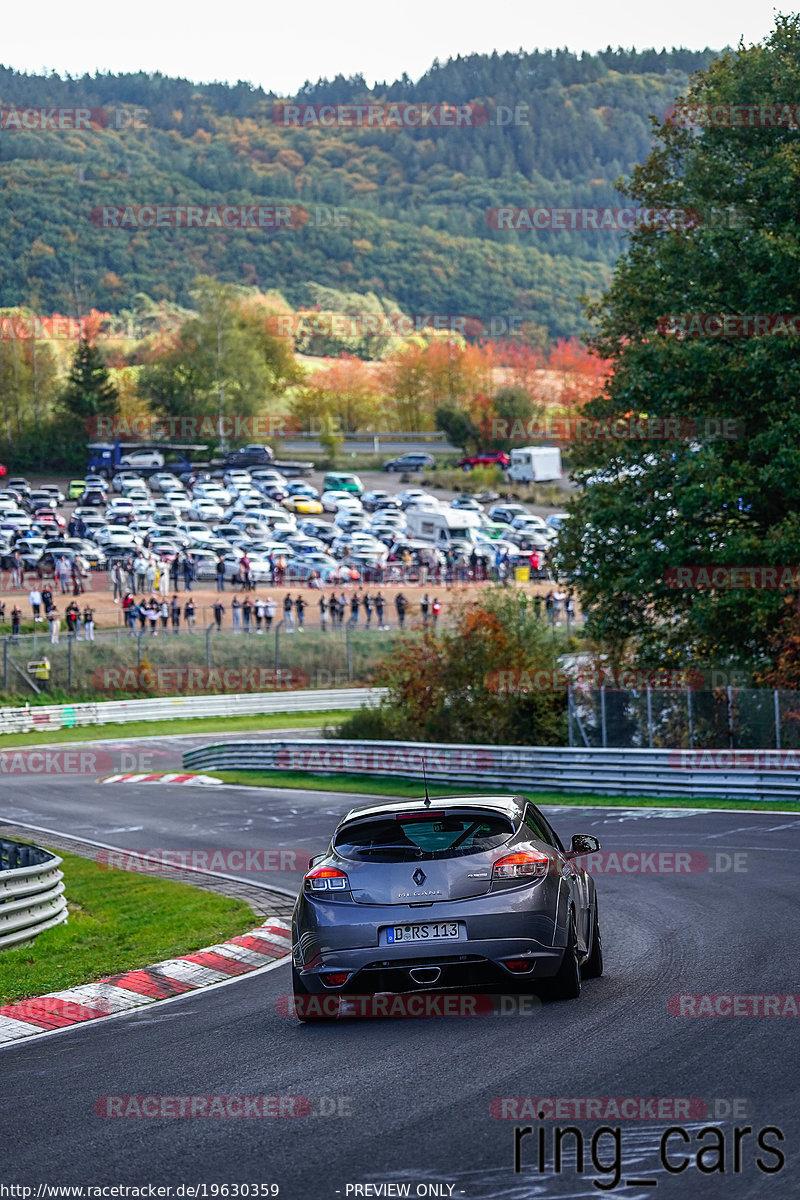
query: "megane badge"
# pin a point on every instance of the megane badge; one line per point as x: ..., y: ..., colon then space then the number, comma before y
x: 419, y: 877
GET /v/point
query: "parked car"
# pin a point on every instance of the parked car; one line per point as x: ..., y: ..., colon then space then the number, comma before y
x: 506, y: 905
x: 412, y: 461
x: 467, y: 503
x: 507, y: 512
x: 142, y: 458
x: 342, y: 481
x: 75, y: 489
x: 251, y: 455
x: 487, y: 458
x: 375, y: 500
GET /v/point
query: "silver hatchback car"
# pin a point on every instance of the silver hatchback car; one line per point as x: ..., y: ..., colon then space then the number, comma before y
x: 463, y: 892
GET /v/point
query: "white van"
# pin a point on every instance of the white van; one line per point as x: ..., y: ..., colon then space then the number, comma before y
x: 442, y: 527
x: 535, y: 464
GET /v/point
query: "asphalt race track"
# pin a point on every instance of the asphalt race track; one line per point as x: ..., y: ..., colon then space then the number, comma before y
x: 407, y: 1102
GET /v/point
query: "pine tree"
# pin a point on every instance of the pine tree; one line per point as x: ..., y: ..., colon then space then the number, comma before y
x: 89, y: 392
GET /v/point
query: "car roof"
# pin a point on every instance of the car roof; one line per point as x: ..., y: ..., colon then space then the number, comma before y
x: 509, y: 804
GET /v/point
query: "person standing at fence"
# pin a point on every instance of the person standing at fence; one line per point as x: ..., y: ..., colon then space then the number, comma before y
x: 47, y: 600
x: 152, y: 610
x: 54, y: 621
x: 288, y: 615
x: 220, y: 573
x: 35, y: 601
x: 258, y: 609
x: 16, y: 617
x: 380, y: 604
x: 175, y: 613
x: 401, y: 604
x: 436, y: 609
x: 71, y: 615
x: 163, y: 610
x: 88, y: 622
x: 139, y: 569
x: 270, y: 609
x: 62, y: 574
x: 367, y: 609
x: 424, y: 608
x: 323, y: 613
x: 151, y: 574
x: 175, y: 571
x: 247, y: 612
x: 128, y: 605
x: 219, y: 609
x: 300, y: 609
x: 244, y: 567
x: 188, y: 614
x: 569, y: 608
x: 163, y: 577
x: 355, y: 604
x: 236, y: 613
x: 16, y: 569
x: 188, y: 572
x: 117, y: 581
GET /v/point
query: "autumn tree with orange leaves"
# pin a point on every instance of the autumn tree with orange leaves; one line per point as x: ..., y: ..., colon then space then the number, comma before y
x: 471, y: 683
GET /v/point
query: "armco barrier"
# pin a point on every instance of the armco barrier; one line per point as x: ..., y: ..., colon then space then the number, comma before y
x: 728, y: 775
x: 245, y: 704
x: 31, y: 892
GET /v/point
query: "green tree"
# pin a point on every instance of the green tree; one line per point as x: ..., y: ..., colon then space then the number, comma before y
x: 649, y: 505
x: 88, y: 392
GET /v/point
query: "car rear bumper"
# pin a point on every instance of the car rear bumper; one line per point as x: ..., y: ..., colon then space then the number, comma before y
x: 347, y: 937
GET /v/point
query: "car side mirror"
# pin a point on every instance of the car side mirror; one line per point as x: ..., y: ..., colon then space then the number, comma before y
x: 582, y: 843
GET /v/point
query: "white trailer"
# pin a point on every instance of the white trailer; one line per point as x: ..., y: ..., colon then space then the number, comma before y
x: 535, y: 464
x: 442, y: 527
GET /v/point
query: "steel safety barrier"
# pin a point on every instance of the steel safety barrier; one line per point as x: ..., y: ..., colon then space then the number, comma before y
x: 725, y: 774
x: 244, y: 704
x: 31, y: 892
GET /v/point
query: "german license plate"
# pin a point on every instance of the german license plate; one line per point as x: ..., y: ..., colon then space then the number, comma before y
x: 429, y: 932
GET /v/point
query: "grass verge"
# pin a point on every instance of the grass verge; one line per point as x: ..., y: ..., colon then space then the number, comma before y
x: 118, y: 921
x: 133, y: 729
x: 410, y: 789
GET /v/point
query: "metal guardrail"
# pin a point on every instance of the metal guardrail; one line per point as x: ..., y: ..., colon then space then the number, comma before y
x: 243, y: 704
x: 31, y: 892
x: 728, y: 775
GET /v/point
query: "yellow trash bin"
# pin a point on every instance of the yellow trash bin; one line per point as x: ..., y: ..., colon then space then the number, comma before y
x: 522, y: 574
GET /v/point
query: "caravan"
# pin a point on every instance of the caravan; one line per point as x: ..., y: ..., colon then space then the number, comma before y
x: 442, y: 527
x: 535, y: 464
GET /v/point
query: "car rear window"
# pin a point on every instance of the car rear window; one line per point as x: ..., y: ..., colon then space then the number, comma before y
x: 407, y: 837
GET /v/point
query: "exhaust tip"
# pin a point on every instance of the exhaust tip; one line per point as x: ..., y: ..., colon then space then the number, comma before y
x: 425, y: 974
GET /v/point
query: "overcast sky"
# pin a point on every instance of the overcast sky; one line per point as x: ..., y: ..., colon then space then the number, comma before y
x: 281, y: 45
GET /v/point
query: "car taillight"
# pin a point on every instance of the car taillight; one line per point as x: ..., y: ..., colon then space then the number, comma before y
x: 326, y: 879
x: 523, y: 864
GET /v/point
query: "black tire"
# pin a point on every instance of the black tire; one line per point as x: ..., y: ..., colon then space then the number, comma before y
x: 301, y: 994
x: 592, y: 967
x: 566, y: 983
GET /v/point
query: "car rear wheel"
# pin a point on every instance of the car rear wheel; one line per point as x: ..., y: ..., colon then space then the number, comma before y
x: 566, y: 983
x: 593, y: 966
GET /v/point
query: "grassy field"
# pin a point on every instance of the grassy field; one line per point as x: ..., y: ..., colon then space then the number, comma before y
x: 410, y: 789
x: 118, y: 921
x: 152, y: 729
